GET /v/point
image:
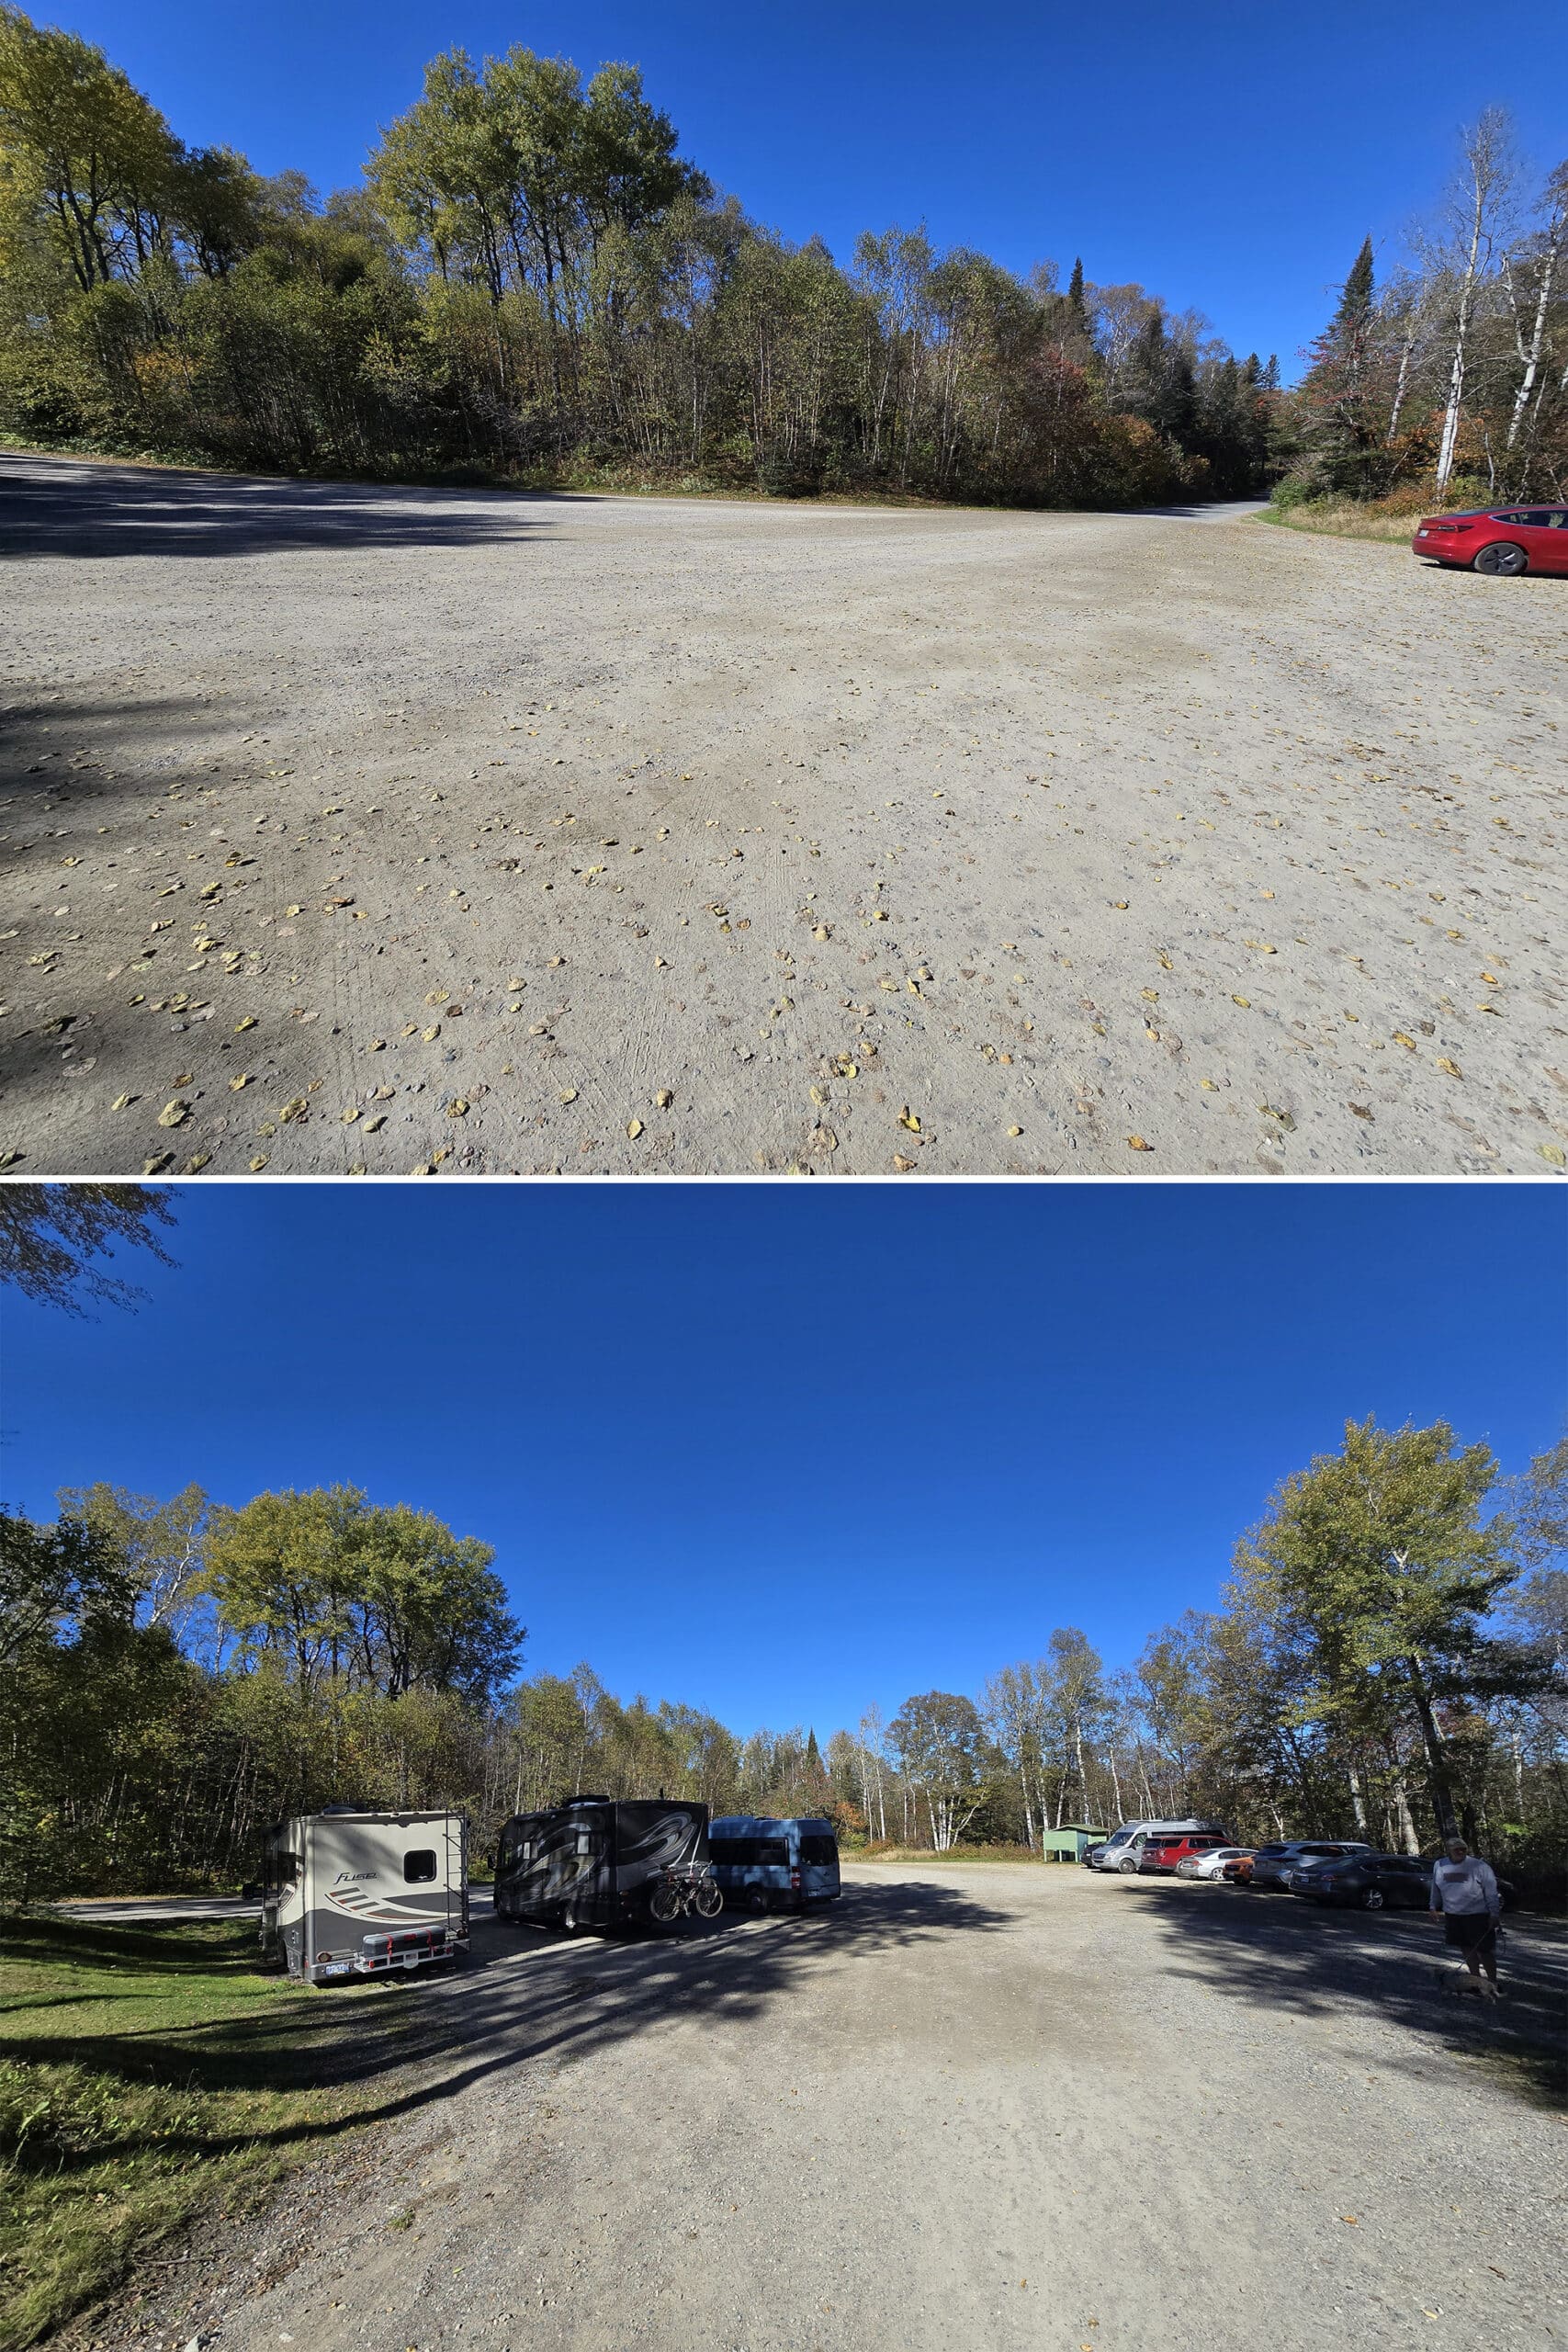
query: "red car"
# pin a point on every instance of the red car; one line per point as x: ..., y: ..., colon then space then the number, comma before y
x: 1501, y: 539
x: 1162, y: 1853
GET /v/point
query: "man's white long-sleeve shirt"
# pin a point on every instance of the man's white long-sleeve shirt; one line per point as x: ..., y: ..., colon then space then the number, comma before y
x: 1465, y: 1887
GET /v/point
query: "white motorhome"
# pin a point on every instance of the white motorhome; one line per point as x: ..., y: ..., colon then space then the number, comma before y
x: 352, y: 1894
x: 1123, y: 1850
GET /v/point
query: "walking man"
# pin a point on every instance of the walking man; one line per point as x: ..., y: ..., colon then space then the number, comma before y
x: 1464, y: 1889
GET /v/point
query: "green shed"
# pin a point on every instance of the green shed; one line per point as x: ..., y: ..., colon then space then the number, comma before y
x: 1070, y: 1842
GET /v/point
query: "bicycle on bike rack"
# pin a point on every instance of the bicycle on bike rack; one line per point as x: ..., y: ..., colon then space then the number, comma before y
x: 680, y: 1889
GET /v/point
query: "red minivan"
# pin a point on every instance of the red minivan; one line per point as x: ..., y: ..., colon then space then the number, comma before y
x: 1504, y: 540
x: 1161, y: 1853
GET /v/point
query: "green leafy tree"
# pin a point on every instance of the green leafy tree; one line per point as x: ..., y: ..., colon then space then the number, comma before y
x: 56, y: 1580
x: 160, y: 1546
x: 334, y: 1589
x: 50, y: 1236
x: 1382, y: 1557
x: 940, y: 1740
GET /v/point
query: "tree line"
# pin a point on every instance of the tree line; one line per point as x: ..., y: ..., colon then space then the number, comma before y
x: 1447, y: 377
x: 1390, y: 1662
x: 532, y: 283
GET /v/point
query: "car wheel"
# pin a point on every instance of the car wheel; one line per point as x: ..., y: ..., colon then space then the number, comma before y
x: 1502, y: 560
x: 1374, y: 1899
x: 1128, y: 1870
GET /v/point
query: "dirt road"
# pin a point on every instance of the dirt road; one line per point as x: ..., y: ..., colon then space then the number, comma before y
x: 358, y: 828
x: 994, y: 2107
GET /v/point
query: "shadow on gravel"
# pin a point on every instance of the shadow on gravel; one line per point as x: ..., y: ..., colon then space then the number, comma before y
x: 1274, y: 1952
x: 82, y: 510
x: 522, y: 1996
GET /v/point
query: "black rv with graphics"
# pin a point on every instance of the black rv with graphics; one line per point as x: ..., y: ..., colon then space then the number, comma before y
x: 593, y: 1863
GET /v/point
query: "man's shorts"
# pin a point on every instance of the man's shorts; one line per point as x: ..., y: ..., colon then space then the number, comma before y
x: 1474, y: 1933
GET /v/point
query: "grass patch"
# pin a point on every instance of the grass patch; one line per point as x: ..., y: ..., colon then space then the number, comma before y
x: 1392, y: 520
x: 892, y: 1853
x: 147, y: 2073
x: 1342, y: 518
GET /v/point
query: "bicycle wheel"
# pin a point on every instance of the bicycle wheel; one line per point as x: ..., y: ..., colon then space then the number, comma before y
x: 664, y: 1903
x: 709, y: 1898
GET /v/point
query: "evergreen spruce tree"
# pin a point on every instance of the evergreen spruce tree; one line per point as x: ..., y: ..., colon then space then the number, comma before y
x: 1355, y: 310
x: 1342, y: 437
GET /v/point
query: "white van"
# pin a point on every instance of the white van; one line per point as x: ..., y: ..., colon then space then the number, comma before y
x: 1123, y: 1850
x: 352, y: 1893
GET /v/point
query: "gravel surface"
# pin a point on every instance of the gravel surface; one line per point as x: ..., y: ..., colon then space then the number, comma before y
x: 971, y: 2106
x: 362, y: 828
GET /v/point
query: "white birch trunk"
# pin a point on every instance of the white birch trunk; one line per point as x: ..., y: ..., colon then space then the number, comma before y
x: 1485, y: 162
x: 1532, y: 356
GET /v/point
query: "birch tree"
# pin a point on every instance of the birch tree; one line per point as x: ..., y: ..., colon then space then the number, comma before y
x: 1478, y: 207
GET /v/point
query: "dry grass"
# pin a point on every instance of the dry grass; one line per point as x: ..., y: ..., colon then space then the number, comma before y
x: 1343, y: 519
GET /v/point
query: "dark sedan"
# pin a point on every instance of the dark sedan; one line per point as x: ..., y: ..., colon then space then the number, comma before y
x: 1375, y: 1882
x: 1379, y: 1882
x: 1272, y: 1865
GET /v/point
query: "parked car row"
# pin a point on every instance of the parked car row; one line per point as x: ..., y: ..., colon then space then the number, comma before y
x: 1329, y: 1870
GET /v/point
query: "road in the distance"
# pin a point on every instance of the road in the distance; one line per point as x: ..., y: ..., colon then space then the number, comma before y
x: 358, y: 828
x: 996, y: 2106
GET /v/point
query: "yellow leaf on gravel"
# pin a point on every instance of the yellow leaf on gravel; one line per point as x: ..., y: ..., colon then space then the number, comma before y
x: 350, y: 1115
x: 1452, y: 1069
x: 156, y: 1165
x: 1552, y: 1152
x: 248, y: 1023
x: 371, y: 1125
x: 431, y: 1033
x: 907, y: 1118
x: 634, y: 1128
x: 173, y: 1113
x: 235, y: 1084
x: 901, y: 1164
x: 1401, y: 1039
x: 1245, y: 1002
x: 1136, y: 1143
x: 122, y: 1103
x: 290, y: 911
x: 1015, y: 1131
x: 258, y: 1163
x: 1120, y: 905
x: 664, y: 1098
x: 459, y: 1110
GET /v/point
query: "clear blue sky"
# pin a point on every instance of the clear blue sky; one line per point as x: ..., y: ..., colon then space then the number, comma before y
x: 781, y: 1450
x: 1229, y: 155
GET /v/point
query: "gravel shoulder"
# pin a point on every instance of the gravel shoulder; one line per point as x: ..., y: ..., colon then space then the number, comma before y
x: 978, y: 2106
x: 361, y: 827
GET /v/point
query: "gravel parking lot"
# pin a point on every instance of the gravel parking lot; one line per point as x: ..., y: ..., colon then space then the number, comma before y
x: 969, y: 2106
x: 361, y: 827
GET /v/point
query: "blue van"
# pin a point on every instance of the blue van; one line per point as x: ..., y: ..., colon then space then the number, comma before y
x: 764, y: 1864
